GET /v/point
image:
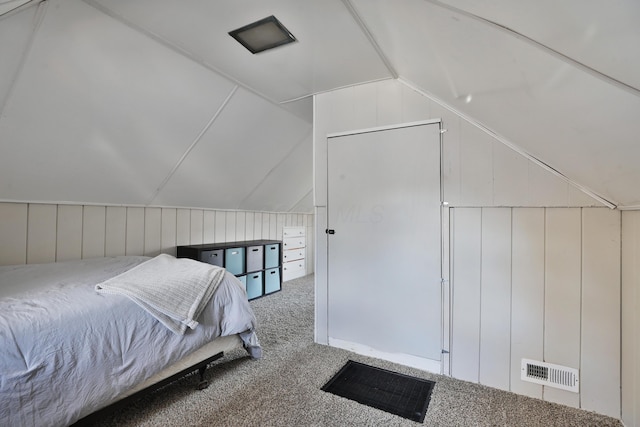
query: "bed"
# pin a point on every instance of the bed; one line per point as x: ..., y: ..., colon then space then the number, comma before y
x: 75, y: 339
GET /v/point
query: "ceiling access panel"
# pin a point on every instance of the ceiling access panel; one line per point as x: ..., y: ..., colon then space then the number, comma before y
x: 249, y: 138
x: 100, y: 113
x: 331, y: 50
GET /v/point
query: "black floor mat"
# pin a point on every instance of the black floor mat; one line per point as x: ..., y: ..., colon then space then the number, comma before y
x: 388, y: 391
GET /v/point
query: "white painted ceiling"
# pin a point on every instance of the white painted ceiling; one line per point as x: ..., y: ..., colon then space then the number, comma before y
x: 142, y: 102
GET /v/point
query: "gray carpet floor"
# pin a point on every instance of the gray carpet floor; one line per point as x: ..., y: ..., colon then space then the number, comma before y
x: 283, y: 388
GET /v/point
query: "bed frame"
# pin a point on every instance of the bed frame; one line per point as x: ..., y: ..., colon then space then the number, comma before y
x: 199, y: 360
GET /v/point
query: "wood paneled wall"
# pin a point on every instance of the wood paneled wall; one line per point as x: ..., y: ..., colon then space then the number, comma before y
x: 38, y: 233
x: 542, y: 284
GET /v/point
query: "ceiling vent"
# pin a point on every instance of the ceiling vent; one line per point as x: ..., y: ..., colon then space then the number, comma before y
x: 264, y: 34
x: 550, y: 375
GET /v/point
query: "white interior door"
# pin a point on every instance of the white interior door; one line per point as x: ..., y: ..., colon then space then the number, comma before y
x: 384, y: 258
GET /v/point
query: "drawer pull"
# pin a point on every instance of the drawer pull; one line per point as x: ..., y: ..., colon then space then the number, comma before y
x: 273, y: 272
x: 255, y: 277
x: 255, y: 250
x: 234, y: 253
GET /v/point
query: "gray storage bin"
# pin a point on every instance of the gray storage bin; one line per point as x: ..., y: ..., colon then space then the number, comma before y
x: 255, y: 257
x: 214, y: 257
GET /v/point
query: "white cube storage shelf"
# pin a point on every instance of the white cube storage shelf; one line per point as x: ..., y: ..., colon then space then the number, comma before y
x: 256, y: 263
x: 293, y: 253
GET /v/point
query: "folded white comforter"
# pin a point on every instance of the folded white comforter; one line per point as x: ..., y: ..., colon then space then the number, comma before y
x: 173, y: 290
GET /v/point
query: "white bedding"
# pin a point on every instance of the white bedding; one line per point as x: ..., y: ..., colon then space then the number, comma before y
x: 66, y: 350
x: 174, y: 291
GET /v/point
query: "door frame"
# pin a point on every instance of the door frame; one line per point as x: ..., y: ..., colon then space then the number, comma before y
x: 321, y: 261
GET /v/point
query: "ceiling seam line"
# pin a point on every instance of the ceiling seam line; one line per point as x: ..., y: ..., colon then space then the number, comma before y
x: 511, y: 145
x: 20, y: 8
x: 282, y: 160
x: 193, y: 144
x: 356, y: 16
x: 41, y: 10
x: 179, y: 50
x: 347, y: 86
x: 589, y: 70
x: 299, y: 201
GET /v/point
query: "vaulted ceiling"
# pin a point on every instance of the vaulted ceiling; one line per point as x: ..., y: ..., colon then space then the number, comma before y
x: 142, y: 102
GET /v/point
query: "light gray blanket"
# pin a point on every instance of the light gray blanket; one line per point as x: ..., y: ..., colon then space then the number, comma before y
x: 173, y: 290
x: 67, y: 350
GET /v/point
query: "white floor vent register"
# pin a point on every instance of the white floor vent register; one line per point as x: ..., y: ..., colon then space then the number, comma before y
x: 550, y: 375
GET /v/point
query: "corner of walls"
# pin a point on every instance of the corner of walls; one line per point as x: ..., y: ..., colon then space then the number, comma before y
x: 630, y: 369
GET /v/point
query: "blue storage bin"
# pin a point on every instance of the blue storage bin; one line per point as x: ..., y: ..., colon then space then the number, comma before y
x: 234, y: 260
x: 271, y: 280
x: 254, y: 285
x: 243, y: 280
x: 271, y: 256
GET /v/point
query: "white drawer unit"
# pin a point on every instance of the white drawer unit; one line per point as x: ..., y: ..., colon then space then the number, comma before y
x: 294, y: 252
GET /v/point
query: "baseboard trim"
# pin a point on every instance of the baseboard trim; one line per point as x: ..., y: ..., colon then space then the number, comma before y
x: 429, y: 365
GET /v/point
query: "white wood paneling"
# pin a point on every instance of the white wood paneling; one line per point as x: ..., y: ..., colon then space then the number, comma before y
x: 389, y: 103
x: 257, y: 225
x: 221, y: 227
x: 230, y: 229
x: 93, y: 231
x: 273, y: 226
x: 168, y: 239
x: 548, y: 285
x: 265, y: 225
x: 547, y: 189
x: 69, y: 236
x: 476, y: 167
x: 563, y: 245
x: 415, y: 107
x: 116, y: 231
x: 365, y: 97
x: 249, y: 224
x: 510, y: 176
x: 183, y: 227
x: 630, y: 368
x: 241, y: 219
x: 71, y: 232
x: 152, y: 231
x: 135, y: 231
x: 600, y: 352
x: 495, y: 300
x: 41, y: 234
x: 197, y: 226
x: 13, y: 233
x: 276, y: 231
x: 466, y: 244
x: 527, y: 295
x: 209, y: 221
